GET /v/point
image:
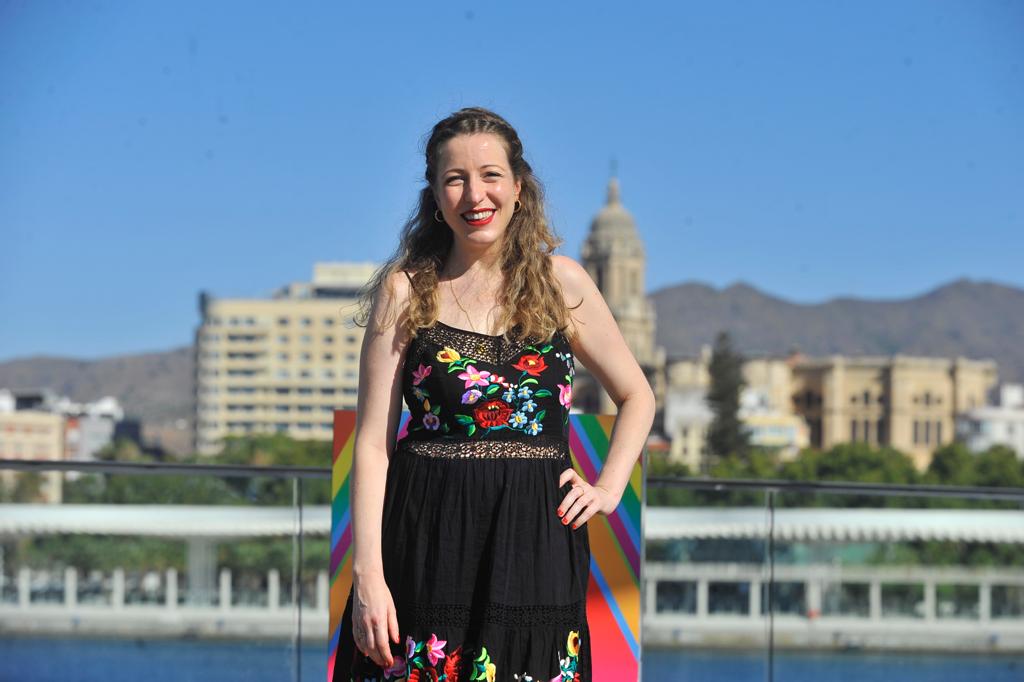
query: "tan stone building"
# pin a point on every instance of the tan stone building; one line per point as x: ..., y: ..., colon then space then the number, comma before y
x: 909, y: 403
x: 27, y: 434
x: 279, y: 365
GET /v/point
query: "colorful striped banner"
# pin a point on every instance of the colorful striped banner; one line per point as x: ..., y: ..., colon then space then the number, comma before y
x: 616, y: 548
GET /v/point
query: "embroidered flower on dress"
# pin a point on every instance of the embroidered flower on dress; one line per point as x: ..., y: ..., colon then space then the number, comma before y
x: 534, y: 427
x: 573, y: 643
x: 492, y: 413
x: 418, y: 375
x: 431, y: 421
x: 528, y: 406
x: 517, y: 420
x: 474, y: 377
x: 448, y: 355
x: 397, y: 669
x: 531, y: 363
x: 435, y: 649
x: 525, y: 392
x: 565, y: 395
x: 471, y: 396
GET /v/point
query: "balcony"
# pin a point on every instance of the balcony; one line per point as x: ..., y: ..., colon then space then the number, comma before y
x: 221, y: 572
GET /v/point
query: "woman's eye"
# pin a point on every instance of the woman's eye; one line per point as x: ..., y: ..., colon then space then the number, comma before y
x: 452, y: 180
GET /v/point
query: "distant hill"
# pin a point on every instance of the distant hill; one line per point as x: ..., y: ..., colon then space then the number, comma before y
x: 974, y: 319
x: 156, y: 388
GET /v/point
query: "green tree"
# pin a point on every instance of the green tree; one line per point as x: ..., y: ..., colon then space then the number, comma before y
x: 999, y: 467
x: 726, y: 435
x: 952, y: 464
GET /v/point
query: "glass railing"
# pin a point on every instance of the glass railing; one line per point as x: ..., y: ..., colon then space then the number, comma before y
x: 166, y: 572
x: 171, y: 572
x: 778, y: 580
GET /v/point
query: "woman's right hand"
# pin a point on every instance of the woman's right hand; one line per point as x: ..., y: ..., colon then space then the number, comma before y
x: 374, y: 619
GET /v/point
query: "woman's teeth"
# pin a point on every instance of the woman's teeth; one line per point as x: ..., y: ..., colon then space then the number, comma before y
x: 477, y: 216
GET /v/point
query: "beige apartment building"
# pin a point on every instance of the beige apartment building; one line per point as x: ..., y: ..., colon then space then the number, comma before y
x: 26, y: 434
x: 282, y: 364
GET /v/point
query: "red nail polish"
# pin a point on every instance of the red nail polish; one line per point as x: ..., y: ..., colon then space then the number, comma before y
x: 565, y: 521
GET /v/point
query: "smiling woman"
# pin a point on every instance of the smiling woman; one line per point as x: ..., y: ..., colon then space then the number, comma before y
x: 470, y: 556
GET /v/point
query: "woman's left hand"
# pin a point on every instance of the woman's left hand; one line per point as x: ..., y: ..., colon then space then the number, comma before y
x: 584, y: 500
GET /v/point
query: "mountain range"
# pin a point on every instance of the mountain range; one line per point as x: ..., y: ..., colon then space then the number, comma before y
x: 967, y: 318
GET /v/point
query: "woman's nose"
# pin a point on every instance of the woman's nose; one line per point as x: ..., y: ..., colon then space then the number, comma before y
x: 474, y: 191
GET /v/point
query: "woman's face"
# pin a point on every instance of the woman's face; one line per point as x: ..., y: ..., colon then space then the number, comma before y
x: 475, y: 188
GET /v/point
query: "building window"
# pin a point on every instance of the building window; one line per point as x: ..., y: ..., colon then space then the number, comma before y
x: 816, y: 438
x: 328, y: 339
x: 938, y: 432
x: 867, y: 397
x: 306, y: 357
x: 927, y: 398
x: 917, y: 431
x: 283, y: 338
x: 328, y: 321
x: 282, y: 321
x: 927, y: 432
x: 867, y: 431
x: 853, y: 430
x: 306, y: 338
x: 853, y: 399
x: 307, y: 322
x: 282, y: 356
x: 305, y: 391
x: 880, y: 431
x: 350, y: 339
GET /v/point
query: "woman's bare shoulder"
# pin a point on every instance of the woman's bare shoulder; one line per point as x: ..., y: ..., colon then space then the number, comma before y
x: 573, y: 278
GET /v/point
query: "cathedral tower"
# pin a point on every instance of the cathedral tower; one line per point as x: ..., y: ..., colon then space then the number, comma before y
x: 614, y: 256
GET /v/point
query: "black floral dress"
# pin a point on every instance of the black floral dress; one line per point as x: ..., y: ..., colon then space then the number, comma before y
x: 488, y: 583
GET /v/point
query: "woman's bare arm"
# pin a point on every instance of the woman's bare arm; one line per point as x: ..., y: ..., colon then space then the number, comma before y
x: 599, y: 344
x: 379, y: 409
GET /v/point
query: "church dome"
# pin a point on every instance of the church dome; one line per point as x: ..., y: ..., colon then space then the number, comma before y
x: 613, y: 218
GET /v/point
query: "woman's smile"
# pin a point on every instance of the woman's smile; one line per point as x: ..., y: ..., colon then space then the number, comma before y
x: 479, y: 218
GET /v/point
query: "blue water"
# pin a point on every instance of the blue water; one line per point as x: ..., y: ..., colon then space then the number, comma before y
x: 728, y: 666
x: 25, y: 659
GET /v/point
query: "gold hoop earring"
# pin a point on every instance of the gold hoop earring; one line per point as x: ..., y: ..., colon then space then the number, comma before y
x: 516, y: 206
x: 437, y: 215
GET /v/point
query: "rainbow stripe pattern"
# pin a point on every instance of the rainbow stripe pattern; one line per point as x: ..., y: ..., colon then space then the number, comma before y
x: 613, y: 594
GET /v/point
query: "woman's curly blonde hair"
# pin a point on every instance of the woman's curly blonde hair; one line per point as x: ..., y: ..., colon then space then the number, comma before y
x: 531, y: 308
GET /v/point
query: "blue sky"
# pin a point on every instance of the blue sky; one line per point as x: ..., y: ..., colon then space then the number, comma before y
x: 153, y: 150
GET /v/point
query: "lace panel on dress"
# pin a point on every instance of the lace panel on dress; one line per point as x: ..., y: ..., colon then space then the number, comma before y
x: 485, y: 449
x: 505, y: 615
x: 495, y: 350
